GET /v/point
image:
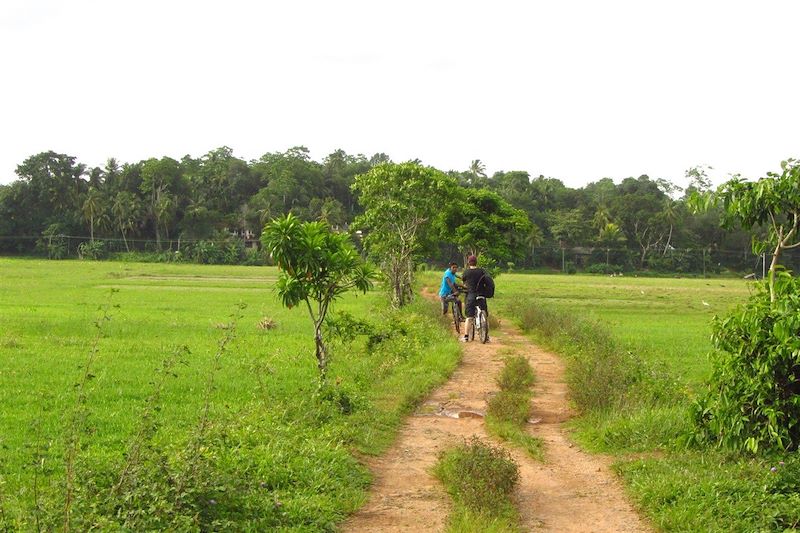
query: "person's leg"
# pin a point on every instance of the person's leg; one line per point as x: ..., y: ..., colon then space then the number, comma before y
x: 470, y: 316
x: 485, y: 307
x: 444, y: 304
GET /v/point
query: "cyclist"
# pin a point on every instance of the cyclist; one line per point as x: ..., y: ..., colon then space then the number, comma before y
x: 449, y: 290
x: 474, y: 278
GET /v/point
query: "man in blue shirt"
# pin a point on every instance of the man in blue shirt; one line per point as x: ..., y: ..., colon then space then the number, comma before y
x: 449, y: 290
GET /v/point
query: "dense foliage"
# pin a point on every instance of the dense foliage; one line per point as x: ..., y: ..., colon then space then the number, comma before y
x: 202, y: 206
x: 753, y: 401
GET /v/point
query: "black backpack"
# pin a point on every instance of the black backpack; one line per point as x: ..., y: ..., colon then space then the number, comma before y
x: 485, y: 286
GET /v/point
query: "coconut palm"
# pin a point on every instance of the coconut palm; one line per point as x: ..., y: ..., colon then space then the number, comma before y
x: 533, y: 239
x: 126, y: 210
x: 94, y: 210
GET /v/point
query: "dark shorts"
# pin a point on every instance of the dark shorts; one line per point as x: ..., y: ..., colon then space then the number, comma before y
x: 446, y: 301
x: 472, y: 302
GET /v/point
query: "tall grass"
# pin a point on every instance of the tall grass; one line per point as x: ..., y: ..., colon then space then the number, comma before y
x: 601, y: 374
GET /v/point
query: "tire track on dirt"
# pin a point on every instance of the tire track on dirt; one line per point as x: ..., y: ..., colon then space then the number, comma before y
x: 571, y: 491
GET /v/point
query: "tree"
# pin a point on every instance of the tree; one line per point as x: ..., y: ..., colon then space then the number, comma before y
x: 752, y: 398
x: 482, y: 222
x: 126, y: 210
x: 533, y: 239
x: 317, y: 267
x: 159, y: 180
x: 94, y: 209
x: 609, y: 236
x: 402, y: 213
x: 773, y: 202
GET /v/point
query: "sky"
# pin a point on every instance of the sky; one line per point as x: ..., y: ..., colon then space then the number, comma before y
x: 575, y: 90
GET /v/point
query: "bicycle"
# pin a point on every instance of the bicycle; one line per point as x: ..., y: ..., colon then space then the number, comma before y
x: 456, y: 310
x: 481, y: 322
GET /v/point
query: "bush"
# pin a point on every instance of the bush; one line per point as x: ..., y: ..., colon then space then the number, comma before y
x: 92, y: 250
x: 517, y: 375
x: 478, y: 475
x: 752, y: 398
x: 602, y: 268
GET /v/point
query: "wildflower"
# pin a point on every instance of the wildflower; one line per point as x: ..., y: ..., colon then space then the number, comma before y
x: 773, y: 469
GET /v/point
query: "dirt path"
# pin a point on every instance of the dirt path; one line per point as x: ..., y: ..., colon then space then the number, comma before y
x: 570, y: 492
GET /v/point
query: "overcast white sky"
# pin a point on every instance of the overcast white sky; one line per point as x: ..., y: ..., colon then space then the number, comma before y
x: 577, y: 90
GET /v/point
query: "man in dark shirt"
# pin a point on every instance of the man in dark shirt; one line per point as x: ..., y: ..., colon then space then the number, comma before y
x: 471, y: 278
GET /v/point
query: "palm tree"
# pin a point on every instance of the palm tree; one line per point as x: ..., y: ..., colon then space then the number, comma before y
x: 670, y: 214
x: 533, y: 239
x: 610, y: 234
x: 94, y: 208
x: 477, y: 169
x: 602, y: 216
x: 126, y: 210
x: 163, y: 211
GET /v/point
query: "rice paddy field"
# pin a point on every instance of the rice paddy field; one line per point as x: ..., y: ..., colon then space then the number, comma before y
x: 272, y: 449
x: 663, y: 319
x: 203, y: 389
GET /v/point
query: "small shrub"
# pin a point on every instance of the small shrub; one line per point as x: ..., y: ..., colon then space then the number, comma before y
x: 510, y: 406
x: 92, y: 250
x: 517, y: 374
x: 478, y: 475
x: 602, y: 268
x: 267, y: 323
x: 254, y: 257
x: 752, y: 398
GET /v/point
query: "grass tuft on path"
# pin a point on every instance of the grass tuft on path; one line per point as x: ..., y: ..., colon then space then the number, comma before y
x: 481, y: 479
x: 509, y: 409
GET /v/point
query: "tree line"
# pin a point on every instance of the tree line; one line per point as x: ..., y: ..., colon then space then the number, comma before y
x: 198, y: 205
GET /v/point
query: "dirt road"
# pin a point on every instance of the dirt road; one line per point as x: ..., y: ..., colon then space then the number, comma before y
x: 570, y: 492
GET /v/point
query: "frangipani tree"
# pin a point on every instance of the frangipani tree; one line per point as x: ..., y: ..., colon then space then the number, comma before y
x: 317, y: 266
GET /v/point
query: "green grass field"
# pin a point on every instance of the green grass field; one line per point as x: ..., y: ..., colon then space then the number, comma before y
x: 277, y: 454
x: 663, y: 319
x: 278, y: 449
x: 666, y: 322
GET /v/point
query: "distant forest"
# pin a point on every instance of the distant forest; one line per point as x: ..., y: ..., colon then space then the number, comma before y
x: 212, y: 208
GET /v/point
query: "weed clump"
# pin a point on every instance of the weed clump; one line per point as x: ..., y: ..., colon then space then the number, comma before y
x: 478, y: 476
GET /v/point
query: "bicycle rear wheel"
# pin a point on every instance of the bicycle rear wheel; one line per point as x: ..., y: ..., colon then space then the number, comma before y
x: 484, y: 326
x: 456, y: 318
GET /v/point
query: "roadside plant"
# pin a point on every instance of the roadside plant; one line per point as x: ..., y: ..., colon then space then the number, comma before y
x: 317, y: 266
x: 753, y: 398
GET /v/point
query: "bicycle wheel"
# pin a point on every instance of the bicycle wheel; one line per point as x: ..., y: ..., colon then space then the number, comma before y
x: 456, y: 318
x: 484, y: 326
